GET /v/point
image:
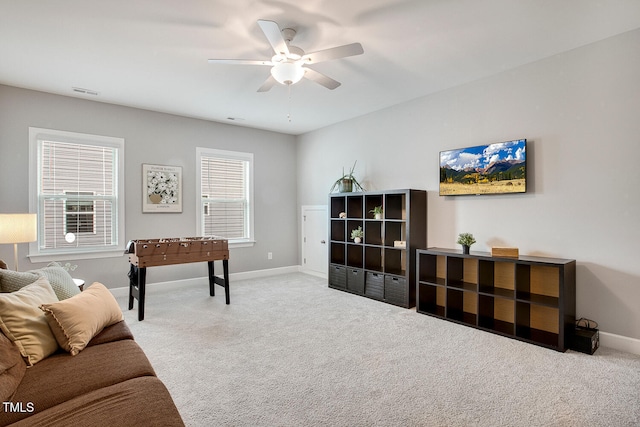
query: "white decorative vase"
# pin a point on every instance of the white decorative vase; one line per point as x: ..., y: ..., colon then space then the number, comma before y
x: 357, y: 240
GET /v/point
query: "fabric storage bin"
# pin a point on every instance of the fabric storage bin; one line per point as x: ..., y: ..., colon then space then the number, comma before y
x: 355, y: 280
x: 338, y: 276
x: 374, y: 285
x: 395, y: 290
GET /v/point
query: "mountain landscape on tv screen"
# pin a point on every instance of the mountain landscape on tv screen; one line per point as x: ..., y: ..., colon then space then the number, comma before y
x: 490, y: 169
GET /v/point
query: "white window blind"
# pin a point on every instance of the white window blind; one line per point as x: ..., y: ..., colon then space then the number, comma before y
x: 225, y: 199
x: 77, y: 193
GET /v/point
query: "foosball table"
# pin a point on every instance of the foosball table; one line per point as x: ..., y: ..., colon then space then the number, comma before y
x: 157, y: 252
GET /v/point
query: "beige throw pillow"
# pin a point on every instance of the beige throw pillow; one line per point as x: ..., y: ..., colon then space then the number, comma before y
x: 24, y: 324
x: 76, y: 320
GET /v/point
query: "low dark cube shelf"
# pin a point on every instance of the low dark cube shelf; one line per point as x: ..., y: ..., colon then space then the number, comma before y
x: 530, y: 299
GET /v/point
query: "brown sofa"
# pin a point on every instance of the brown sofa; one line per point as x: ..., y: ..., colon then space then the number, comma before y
x: 67, y: 358
x: 109, y: 383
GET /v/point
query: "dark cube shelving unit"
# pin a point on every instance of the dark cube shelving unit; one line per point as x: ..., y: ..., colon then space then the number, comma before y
x: 531, y: 299
x: 377, y: 268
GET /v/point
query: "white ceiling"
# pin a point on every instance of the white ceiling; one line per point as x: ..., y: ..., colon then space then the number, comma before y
x: 152, y: 54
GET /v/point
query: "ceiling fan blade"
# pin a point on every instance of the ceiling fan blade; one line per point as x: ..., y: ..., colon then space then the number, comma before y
x: 320, y: 78
x: 272, y: 31
x: 240, y: 62
x: 267, y: 85
x: 333, y: 53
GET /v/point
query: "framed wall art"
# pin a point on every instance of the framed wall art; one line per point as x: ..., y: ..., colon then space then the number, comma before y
x: 161, y: 188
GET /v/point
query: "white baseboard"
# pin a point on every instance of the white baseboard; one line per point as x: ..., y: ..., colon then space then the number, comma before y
x: 203, y: 281
x: 619, y: 342
x: 313, y: 273
x: 264, y: 273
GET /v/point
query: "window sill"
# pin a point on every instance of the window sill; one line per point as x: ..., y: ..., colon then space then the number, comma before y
x: 67, y: 255
x: 241, y: 244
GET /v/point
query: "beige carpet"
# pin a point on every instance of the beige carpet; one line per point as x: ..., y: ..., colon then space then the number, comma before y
x: 289, y: 351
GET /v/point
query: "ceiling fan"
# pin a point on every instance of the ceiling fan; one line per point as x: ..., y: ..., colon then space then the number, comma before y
x: 290, y: 63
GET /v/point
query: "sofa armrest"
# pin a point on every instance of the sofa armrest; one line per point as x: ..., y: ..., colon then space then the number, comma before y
x: 116, y: 332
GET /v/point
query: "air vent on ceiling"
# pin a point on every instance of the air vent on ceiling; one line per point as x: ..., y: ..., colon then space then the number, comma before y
x: 85, y: 91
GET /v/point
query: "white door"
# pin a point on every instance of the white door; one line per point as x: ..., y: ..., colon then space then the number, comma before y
x: 315, y: 240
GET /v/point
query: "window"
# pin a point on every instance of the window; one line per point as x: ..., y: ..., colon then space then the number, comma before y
x: 77, y: 191
x: 225, y: 195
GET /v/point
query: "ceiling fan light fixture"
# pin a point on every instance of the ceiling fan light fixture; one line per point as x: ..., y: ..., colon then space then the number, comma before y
x: 287, y: 73
x: 288, y: 63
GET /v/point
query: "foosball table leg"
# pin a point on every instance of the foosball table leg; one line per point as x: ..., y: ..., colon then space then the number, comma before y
x: 224, y: 281
x: 225, y: 266
x: 212, y: 279
x: 137, y: 286
x: 133, y: 278
x: 142, y: 278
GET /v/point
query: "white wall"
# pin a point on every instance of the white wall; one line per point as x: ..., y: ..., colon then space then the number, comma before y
x: 157, y: 138
x: 579, y: 113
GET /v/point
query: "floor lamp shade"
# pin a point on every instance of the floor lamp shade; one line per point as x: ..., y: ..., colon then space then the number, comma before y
x: 18, y: 228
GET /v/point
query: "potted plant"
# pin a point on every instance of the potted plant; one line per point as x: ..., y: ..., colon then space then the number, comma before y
x: 466, y: 240
x: 377, y: 212
x: 357, y: 234
x: 347, y: 182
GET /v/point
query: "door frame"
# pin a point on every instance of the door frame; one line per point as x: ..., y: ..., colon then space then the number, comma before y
x: 304, y: 209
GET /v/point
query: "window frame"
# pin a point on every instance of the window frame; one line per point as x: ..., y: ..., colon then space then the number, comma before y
x: 249, y: 221
x: 36, y: 253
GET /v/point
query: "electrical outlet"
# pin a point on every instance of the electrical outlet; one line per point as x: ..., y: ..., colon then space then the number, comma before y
x: 269, y: 255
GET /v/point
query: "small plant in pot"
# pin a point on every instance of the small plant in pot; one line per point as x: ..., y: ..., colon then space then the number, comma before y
x: 377, y: 212
x: 357, y: 234
x: 466, y: 240
x: 347, y: 182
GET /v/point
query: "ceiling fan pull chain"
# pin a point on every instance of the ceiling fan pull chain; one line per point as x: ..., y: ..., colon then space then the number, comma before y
x: 289, y: 106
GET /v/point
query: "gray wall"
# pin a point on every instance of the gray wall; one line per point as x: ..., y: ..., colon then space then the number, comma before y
x: 152, y: 137
x: 579, y: 112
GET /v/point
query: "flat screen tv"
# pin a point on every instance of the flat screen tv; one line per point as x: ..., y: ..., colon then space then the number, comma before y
x: 497, y: 168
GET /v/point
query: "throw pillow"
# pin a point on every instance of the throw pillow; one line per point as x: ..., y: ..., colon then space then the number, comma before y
x: 11, y: 281
x: 12, y: 368
x: 24, y: 324
x: 75, y: 321
x: 59, y: 279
